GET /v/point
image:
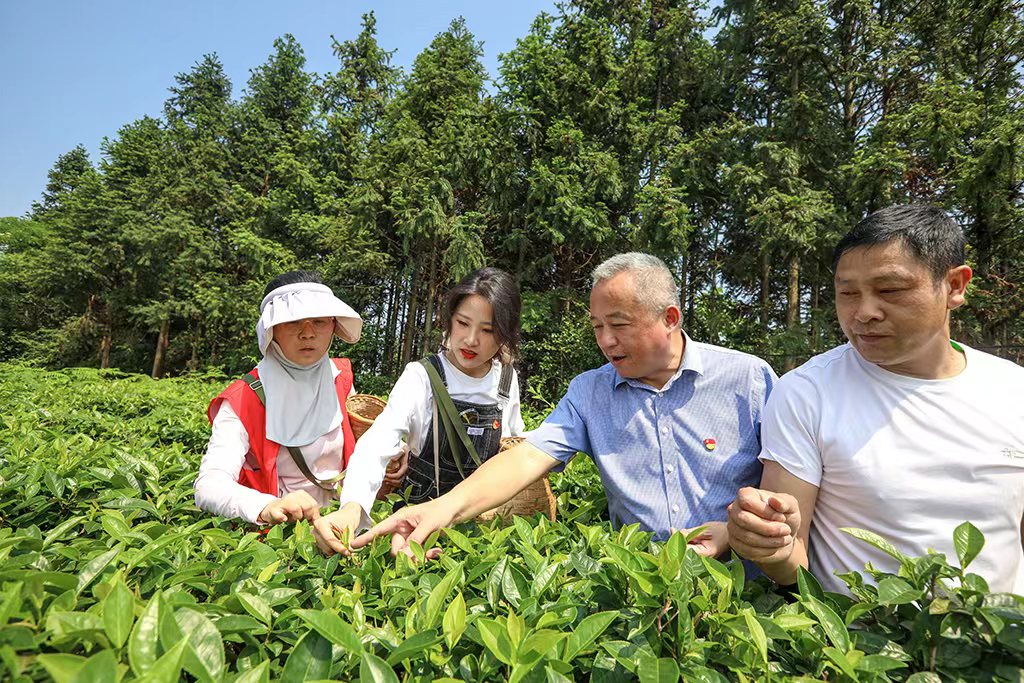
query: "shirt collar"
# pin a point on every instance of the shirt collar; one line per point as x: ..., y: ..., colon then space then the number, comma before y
x: 691, y: 361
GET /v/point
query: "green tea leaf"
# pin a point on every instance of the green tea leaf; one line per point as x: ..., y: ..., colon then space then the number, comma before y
x: 58, y: 531
x: 663, y: 670
x: 496, y: 640
x: 439, y: 594
x: 96, y: 565
x: 834, y: 627
x: 808, y: 585
x: 757, y: 634
x: 545, y: 577
x: 167, y: 669
x: 414, y: 647
x: 258, y: 674
x: 461, y: 541
x: 144, y: 642
x: 515, y: 627
x: 118, y: 613
x: 152, y: 549
x: 72, y: 624
x: 256, y: 606
x: 879, y: 664
x: 454, y: 622
x: 968, y: 542
x: 553, y: 676
x: 330, y: 626
x: 794, y: 622
x: 896, y: 591
x: 588, y: 631
x: 100, y: 668
x: 204, y: 657
x: 309, y: 660
x: 62, y: 668
x: 877, y: 541
x: 841, y: 661
x: 373, y: 669
x: 542, y: 641
x: 268, y: 572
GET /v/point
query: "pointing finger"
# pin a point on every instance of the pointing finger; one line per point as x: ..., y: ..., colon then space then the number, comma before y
x: 387, y: 526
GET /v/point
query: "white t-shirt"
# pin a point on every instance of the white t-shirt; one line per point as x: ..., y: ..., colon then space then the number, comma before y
x: 217, y: 489
x: 906, y: 458
x: 407, y: 418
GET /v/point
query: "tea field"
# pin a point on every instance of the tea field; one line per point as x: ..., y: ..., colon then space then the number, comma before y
x: 108, y: 572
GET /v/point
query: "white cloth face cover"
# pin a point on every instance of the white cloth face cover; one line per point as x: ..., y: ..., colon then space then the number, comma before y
x: 302, y: 404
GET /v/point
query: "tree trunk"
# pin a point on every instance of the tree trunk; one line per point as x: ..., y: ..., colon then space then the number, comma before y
x: 766, y: 275
x: 793, y: 302
x: 105, y: 343
x: 428, y: 323
x: 106, y: 340
x: 410, y: 319
x: 161, y: 348
x: 193, y: 361
x: 394, y: 302
x: 691, y: 286
x: 684, y: 274
x: 815, y: 305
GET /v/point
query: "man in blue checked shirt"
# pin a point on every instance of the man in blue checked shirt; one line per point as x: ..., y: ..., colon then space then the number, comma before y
x: 673, y: 425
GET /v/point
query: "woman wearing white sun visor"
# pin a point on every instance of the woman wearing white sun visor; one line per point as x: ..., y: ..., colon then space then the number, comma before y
x: 281, y: 436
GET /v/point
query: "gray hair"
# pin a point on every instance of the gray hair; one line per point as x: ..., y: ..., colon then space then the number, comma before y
x: 653, y: 283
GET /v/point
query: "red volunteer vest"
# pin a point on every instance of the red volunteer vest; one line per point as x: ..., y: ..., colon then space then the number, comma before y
x: 260, y: 468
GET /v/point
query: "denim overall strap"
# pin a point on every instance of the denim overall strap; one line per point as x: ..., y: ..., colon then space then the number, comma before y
x: 436, y: 469
x: 458, y: 439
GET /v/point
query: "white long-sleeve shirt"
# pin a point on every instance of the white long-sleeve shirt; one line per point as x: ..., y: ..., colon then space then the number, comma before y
x: 217, y: 489
x: 407, y: 418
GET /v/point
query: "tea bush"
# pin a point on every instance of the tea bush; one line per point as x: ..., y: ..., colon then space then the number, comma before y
x: 108, y: 572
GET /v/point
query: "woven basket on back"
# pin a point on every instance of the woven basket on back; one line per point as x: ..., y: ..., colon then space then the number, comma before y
x: 362, y: 409
x: 537, y: 497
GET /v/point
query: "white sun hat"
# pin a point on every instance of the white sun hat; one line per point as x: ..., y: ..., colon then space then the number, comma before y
x: 306, y: 300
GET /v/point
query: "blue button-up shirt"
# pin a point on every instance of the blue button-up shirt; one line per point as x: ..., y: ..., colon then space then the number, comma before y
x: 668, y: 458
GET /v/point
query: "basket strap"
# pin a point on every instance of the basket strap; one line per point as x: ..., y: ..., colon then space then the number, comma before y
x: 256, y: 385
x: 437, y: 462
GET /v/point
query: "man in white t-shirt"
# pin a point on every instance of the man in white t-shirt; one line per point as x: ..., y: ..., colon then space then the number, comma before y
x: 901, y: 431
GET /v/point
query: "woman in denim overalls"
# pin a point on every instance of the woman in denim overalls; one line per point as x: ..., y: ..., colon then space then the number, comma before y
x: 481, y: 340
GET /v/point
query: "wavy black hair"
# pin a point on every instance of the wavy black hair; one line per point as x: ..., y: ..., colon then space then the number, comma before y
x: 502, y: 293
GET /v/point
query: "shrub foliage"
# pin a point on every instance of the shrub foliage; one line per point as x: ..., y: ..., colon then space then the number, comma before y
x: 108, y: 572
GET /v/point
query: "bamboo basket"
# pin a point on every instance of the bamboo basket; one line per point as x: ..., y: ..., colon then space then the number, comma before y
x: 537, y: 497
x: 362, y: 409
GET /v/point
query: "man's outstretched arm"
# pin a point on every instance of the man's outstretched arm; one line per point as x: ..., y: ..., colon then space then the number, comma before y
x: 496, y: 481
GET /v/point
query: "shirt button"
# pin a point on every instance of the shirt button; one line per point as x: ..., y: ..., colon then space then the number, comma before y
x: 675, y: 508
x: 664, y: 430
x: 670, y: 469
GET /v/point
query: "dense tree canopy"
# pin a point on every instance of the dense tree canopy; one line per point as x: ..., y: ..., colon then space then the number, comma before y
x: 736, y: 144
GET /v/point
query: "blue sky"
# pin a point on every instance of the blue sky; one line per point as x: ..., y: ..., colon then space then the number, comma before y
x: 75, y: 72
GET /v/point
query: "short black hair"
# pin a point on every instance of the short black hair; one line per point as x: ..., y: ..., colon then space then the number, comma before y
x: 293, y: 277
x: 502, y: 293
x: 928, y: 231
